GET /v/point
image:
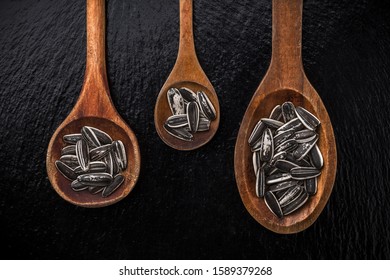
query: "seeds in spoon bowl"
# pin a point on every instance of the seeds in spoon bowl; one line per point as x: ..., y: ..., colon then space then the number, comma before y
x: 93, y: 161
x: 286, y: 158
x: 191, y: 113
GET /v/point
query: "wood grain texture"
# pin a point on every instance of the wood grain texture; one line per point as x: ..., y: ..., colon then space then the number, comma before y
x: 187, y: 205
x: 186, y: 72
x: 285, y: 81
x: 94, y: 108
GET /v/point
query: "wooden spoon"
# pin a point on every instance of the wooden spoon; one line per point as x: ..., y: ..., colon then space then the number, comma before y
x: 285, y: 81
x: 94, y: 108
x: 188, y: 73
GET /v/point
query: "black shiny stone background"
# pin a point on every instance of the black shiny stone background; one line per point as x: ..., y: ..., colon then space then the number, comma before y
x: 186, y: 204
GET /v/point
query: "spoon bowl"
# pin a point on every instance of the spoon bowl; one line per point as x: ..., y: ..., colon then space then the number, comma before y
x: 94, y: 108
x: 188, y: 73
x: 284, y: 81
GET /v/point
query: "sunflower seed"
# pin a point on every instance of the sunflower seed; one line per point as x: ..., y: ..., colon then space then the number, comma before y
x: 193, y: 116
x: 267, y: 146
x: 180, y: 133
x: 65, y: 170
x: 311, y: 186
x: 256, y: 161
x: 294, y: 124
x: 187, y: 94
x: 287, y: 146
x: 308, y: 119
x: 302, y: 162
x: 204, y: 124
x: 271, y: 123
x: 95, y: 189
x: 282, y: 186
x: 176, y: 121
x: 69, y: 150
x: 276, y: 113
x: 288, y: 111
x: 103, y: 137
x: 290, y: 195
x: 77, y: 186
x: 260, y: 182
x: 71, y: 138
x: 70, y: 160
x: 303, y: 149
x: 304, y: 173
x: 257, y: 133
x: 277, y: 156
x: 273, y: 204
x: 284, y: 165
x: 111, y: 166
x: 100, y: 152
x: 296, y: 204
x: 277, y: 178
x: 95, y: 179
x: 304, y: 134
x: 119, y: 154
x: 94, y: 167
x: 89, y: 135
x: 82, y: 154
x: 283, y: 136
x: 206, y: 106
x: 113, y: 186
x: 316, y: 157
x: 175, y: 101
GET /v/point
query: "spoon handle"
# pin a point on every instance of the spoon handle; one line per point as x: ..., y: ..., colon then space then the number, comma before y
x: 287, y: 40
x: 96, y: 62
x: 186, y: 43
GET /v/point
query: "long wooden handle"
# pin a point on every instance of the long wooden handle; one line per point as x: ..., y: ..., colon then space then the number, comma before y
x: 287, y: 39
x: 96, y: 54
x: 186, y: 43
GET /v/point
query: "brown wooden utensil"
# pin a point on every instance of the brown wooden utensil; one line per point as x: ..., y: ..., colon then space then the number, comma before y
x: 94, y: 108
x: 188, y: 73
x: 284, y: 81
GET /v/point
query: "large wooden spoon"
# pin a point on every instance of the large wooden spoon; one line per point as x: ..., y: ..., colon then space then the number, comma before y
x: 285, y: 81
x: 188, y: 73
x: 94, y: 108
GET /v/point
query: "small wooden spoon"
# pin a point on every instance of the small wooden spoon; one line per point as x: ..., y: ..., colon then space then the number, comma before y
x: 285, y: 81
x: 94, y: 108
x: 187, y: 72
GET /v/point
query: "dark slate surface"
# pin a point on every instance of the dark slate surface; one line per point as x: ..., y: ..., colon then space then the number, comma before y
x: 186, y: 204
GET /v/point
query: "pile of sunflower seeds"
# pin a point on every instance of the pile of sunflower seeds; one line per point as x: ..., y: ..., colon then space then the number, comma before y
x: 286, y: 158
x: 191, y: 113
x: 93, y: 161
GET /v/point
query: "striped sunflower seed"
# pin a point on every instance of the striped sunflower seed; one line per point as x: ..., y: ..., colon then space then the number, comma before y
x: 284, y: 165
x: 100, y: 152
x: 119, y: 153
x: 282, y: 186
x: 206, y: 106
x: 95, y: 179
x: 308, y: 119
x: 316, y: 157
x: 276, y: 113
x: 257, y: 133
x: 303, y: 149
x: 187, y: 94
x: 311, y: 186
x: 175, y: 101
x: 271, y: 123
x: 71, y: 138
x: 296, y: 204
x: 94, y: 167
x: 267, y: 146
x: 273, y: 205
x: 260, y: 182
x: 89, y: 135
x: 204, y: 124
x: 113, y: 186
x: 291, y: 195
x: 193, y: 116
x: 288, y: 111
x: 82, y: 154
x: 70, y: 160
x: 65, y: 170
x: 176, y: 121
x: 180, y: 133
x: 304, y: 173
x: 103, y: 137
x: 69, y: 150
